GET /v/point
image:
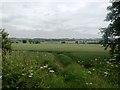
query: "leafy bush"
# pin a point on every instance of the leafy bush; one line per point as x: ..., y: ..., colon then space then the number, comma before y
x: 6, y: 43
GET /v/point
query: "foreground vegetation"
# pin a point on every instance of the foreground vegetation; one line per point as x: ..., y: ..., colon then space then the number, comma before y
x: 59, y: 66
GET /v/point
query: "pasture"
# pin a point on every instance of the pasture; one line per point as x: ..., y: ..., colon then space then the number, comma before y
x: 59, y: 66
x: 60, y: 47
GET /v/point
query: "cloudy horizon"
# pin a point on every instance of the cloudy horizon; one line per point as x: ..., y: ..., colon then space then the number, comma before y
x: 54, y: 19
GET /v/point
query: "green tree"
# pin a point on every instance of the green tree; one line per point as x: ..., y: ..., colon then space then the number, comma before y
x: 24, y: 41
x: 5, y: 42
x: 111, y: 34
x: 76, y: 42
x: 30, y: 41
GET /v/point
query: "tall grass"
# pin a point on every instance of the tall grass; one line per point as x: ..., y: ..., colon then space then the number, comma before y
x: 59, y: 68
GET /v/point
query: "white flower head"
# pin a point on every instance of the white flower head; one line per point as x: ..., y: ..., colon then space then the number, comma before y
x: 105, y: 73
x: 30, y: 76
x: 111, y: 65
x: 108, y: 62
x: 45, y: 66
x: 90, y: 83
x: 51, y: 71
x: 23, y: 74
x: 41, y: 67
x: 96, y: 59
x: 89, y: 72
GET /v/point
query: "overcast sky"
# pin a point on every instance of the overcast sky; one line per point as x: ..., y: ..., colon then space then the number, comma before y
x: 53, y: 18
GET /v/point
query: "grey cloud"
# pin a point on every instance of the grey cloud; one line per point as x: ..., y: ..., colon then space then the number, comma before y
x: 54, y: 19
x: 52, y: 34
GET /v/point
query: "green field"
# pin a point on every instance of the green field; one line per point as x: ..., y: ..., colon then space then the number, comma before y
x: 59, y: 66
x: 60, y: 47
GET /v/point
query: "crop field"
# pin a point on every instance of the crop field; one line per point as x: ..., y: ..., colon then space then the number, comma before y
x: 60, y: 47
x: 59, y: 66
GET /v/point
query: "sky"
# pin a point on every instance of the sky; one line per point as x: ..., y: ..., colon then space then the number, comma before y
x: 53, y: 18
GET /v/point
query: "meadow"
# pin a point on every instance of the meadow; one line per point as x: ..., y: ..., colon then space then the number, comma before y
x: 59, y: 66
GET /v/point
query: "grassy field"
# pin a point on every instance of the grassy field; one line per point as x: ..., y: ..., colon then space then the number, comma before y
x: 60, y: 47
x: 59, y: 66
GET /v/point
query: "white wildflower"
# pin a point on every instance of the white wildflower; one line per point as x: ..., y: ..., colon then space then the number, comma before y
x: 51, y: 71
x: 45, y: 66
x: 30, y: 70
x: 116, y: 65
x: 108, y: 62
x: 105, y: 73
x: 112, y: 59
x: 89, y: 72
x: 90, y: 83
x: 96, y: 59
x: 111, y: 65
x: 93, y: 69
x: 30, y: 76
x: 23, y: 74
x: 41, y: 67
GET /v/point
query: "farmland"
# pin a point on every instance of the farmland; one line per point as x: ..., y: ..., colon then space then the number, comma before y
x: 59, y: 66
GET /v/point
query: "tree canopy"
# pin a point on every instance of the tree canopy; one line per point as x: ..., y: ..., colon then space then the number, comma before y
x: 111, y: 34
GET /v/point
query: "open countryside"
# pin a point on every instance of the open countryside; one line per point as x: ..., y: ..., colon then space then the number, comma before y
x: 59, y: 66
x: 59, y: 44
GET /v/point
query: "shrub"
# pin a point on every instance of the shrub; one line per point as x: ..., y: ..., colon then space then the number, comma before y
x: 6, y: 43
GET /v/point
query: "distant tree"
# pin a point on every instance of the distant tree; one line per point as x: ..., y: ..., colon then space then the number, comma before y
x: 63, y: 42
x: 24, y: 41
x: 83, y: 42
x: 76, y: 42
x: 16, y: 42
x: 111, y: 34
x: 12, y: 42
x: 37, y: 42
x: 30, y: 41
x: 5, y: 42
